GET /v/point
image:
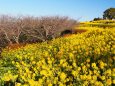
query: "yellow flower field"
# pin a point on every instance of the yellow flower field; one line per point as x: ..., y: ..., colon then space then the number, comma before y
x: 85, y: 59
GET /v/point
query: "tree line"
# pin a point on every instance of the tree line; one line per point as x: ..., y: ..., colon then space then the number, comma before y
x: 107, y: 14
x: 29, y: 29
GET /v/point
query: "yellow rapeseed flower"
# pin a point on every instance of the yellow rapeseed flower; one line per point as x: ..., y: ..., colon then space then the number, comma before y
x: 50, y: 84
x: 103, y: 77
x: 89, y: 77
x: 71, y: 55
x: 18, y: 84
x: 63, y: 76
x: 108, y: 72
x: 43, y: 72
x: 97, y: 83
x: 74, y: 64
x: 88, y: 60
x: 83, y: 77
x: 113, y: 81
x: 102, y: 64
x: 74, y: 73
x: 94, y: 77
x: 6, y: 78
x: 61, y: 84
x: 93, y: 65
x: 109, y: 82
x: 79, y: 68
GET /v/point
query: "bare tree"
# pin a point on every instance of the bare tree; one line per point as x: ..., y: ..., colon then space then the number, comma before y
x: 38, y: 28
x: 4, y: 26
x: 31, y: 28
x: 45, y: 27
x: 18, y: 29
x: 11, y: 27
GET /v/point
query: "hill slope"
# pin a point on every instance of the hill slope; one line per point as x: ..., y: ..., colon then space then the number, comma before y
x: 82, y: 59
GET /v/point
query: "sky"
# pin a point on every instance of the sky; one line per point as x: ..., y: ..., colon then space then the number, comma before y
x: 82, y: 10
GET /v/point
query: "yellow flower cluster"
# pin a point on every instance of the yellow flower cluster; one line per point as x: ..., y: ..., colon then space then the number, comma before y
x: 95, y: 25
x: 99, y: 23
x: 79, y: 60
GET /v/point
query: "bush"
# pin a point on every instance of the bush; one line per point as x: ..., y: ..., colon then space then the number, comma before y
x: 82, y: 59
x: 97, y: 19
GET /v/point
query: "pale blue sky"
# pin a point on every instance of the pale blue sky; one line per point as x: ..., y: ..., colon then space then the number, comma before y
x: 83, y: 9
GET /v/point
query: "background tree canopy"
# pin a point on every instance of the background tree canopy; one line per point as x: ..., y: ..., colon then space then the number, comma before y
x: 109, y: 13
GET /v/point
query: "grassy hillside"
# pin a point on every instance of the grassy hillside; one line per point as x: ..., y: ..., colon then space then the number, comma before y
x: 78, y: 60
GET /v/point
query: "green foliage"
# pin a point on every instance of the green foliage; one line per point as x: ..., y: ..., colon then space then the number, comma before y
x: 96, y: 19
x: 109, y: 13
